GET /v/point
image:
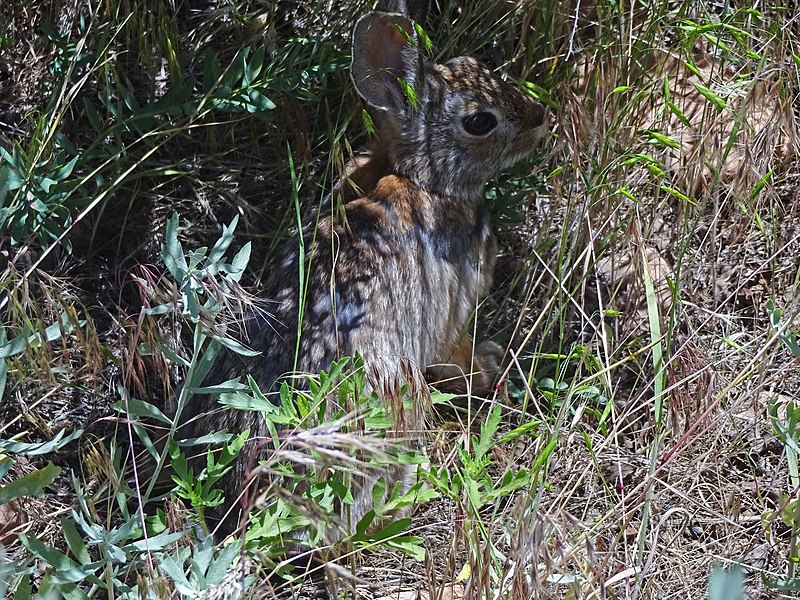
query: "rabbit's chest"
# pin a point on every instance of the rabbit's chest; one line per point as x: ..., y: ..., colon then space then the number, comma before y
x: 456, y: 282
x: 454, y: 274
x: 394, y: 287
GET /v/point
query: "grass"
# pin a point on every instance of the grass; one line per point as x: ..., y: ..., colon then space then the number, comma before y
x: 644, y: 435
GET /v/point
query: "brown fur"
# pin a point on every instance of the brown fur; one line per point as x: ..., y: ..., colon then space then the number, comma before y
x: 399, y: 276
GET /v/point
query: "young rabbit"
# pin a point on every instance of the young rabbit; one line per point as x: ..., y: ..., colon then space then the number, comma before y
x: 397, y: 279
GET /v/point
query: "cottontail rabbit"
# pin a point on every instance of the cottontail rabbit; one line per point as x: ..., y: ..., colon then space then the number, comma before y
x: 397, y: 279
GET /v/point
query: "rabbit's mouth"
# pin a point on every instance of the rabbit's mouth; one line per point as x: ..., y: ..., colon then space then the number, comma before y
x: 526, y: 144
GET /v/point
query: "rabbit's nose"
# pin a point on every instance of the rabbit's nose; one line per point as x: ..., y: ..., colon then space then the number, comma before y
x: 535, y: 113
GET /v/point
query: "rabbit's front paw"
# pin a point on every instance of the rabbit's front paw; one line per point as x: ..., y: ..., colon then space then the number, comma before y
x: 488, y: 355
x: 469, y: 369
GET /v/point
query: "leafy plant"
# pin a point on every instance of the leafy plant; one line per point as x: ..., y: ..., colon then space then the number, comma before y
x: 312, y: 430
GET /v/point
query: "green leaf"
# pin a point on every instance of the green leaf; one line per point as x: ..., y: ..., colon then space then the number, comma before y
x: 233, y: 75
x: 25, y: 340
x: 786, y: 336
x: 24, y: 589
x: 239, y: 262
x: 78, y: 574
x: 223, y: 243
x: 253, y: 67
x: 31, y: 484
x: 65, y: 171
x: 59, y: 441
x: 174, y: 570
x: 520, y: 431
x: 393, y: 529
x: 378, y: 491
x: 139, y: 409
x: 231, y: 386
x: 235, y: 346
x: 510, y: 483
x: 158, y: 542
x: 3, y: 370
x: 408, y: 544
x: 260, y: 101
x: 74, y: 540
x: 211, y: 69
x: 488, y: 431
x: 172, y: 252
x: 51, y: 556
x: 226, y: 559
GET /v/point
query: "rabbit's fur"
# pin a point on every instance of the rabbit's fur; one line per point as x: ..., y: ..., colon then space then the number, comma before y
x: 397, y: 279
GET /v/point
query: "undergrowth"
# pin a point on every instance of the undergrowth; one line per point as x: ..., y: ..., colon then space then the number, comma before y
x: 643, y: 441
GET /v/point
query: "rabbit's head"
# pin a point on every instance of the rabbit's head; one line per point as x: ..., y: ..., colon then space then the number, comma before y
x: 447, y: 127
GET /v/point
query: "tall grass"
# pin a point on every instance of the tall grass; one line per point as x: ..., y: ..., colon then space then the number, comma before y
x: 645, y: 290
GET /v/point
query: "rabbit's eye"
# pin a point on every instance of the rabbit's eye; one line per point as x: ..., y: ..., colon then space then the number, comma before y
x: 479, y: 123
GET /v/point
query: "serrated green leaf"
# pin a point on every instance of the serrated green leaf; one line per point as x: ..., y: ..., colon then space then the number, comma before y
x: 488, y: 431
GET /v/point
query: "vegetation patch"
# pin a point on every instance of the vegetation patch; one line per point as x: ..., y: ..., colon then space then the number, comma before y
x: 643, y: 438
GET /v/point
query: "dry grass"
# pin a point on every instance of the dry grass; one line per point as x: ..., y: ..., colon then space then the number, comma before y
x: 656, y: 224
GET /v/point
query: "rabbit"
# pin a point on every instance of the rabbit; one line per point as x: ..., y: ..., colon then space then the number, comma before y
x: 397, y: 279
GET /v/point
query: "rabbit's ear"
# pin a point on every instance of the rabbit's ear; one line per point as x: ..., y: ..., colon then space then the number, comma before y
x: 416, y: 10
x: 384, y: 52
